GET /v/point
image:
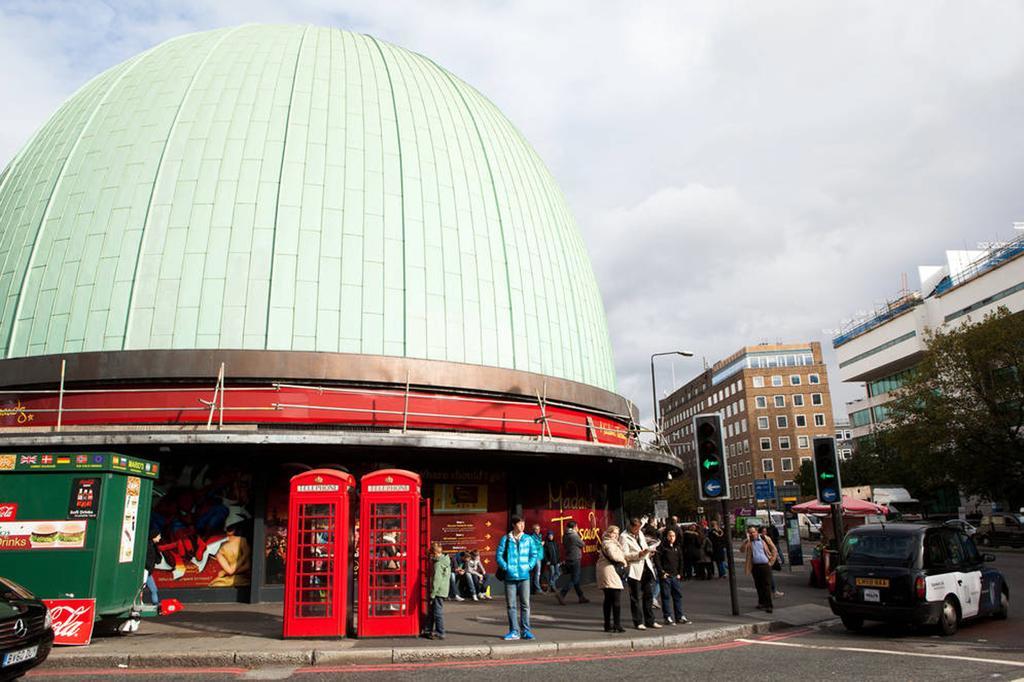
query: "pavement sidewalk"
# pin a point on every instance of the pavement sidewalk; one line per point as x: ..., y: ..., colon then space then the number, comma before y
x: 249, y: 635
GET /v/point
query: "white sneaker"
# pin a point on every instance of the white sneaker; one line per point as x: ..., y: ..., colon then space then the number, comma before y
x: 458, y: 598
x: 476, y: 598
x: 655, y: 624
x: 683, y: 620
x: 779, y: 593
x: 641, y: 627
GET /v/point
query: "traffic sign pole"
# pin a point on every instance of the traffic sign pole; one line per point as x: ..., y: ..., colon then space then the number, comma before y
x: 733, y: 595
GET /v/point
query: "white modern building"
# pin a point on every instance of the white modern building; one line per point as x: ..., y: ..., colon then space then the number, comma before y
x: 880, y: 349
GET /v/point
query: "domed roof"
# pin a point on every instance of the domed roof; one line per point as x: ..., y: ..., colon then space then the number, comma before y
x: 293, y: 188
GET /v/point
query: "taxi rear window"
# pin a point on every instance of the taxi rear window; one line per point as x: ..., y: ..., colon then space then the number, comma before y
x: 879, y: 550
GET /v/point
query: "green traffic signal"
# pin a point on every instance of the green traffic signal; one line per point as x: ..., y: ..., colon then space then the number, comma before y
x: 825, y: 474
x: 711, y: 463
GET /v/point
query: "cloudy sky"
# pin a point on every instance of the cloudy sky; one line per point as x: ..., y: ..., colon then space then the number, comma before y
x: 741, y: 171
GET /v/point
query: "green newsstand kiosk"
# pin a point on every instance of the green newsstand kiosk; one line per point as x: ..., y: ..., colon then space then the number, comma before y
x: 75, y: 525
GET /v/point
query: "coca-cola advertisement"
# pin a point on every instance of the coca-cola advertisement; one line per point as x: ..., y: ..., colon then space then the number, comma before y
x: 8, y: 511
x: 72, y: 620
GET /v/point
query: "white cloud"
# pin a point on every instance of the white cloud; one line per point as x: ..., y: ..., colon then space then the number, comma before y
x: 740, y: 171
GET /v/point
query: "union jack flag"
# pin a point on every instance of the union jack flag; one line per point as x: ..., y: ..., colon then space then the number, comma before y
x: 29, y: 459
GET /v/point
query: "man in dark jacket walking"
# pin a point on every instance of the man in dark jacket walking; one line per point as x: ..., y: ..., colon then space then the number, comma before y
x: 572, y: 543
x: 718, y: 543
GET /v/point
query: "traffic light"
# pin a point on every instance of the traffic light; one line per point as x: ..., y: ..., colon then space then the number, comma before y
x: 826, y: 471
x: 712, y: 473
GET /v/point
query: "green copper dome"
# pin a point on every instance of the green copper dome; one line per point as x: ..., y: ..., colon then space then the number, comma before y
x: 293, y: 188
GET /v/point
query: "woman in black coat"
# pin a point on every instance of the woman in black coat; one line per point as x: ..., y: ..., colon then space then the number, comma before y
x: 668, y: 561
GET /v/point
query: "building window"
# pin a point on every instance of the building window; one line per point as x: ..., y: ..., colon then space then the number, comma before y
x: 743, y: 405
x: 780, y: 401
x: 762, y: 422
x: 798, y: 400
x: 783, y: 442
x: 787, y: 463
x: 782, y: 421
x: 803, y: 442
x: 761, y: 401
x: 804, y: 459
x: 776, y: 380
x: 813, y: 379
x: 767, y: 465
x: 816, y: 399
x: 860, y: 417
x: 766, y: 443
x: 819, y: 419
x: 801, y: 420
x: 794, y: 379
x: 758, y: 382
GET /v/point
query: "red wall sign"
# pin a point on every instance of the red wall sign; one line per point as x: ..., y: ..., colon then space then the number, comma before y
x: 8, y: 511
x: 72, y: 620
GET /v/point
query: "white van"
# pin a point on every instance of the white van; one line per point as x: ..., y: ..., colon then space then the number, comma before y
x: 810, y: 526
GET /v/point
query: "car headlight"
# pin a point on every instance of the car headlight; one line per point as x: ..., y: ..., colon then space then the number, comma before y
x: 48, y: 620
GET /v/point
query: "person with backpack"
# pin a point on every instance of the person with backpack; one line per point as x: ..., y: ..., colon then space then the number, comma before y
x: 517, y: 556
x: 440, y: 585
x: 572, y: 543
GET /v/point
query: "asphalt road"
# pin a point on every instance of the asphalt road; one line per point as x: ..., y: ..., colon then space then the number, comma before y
x: 982, y: 650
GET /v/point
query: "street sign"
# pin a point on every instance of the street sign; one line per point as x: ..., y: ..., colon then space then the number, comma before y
x: 712, y: 468
x: 661, y: 509
x: 764, y: 489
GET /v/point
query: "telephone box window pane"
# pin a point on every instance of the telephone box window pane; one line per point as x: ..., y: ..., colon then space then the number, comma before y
x: 314, y: 577
x: 388, y: 580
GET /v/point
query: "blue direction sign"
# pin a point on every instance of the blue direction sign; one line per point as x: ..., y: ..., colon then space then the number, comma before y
x: 829, y: 495
x: 764, y: 488
x: 712, y: 487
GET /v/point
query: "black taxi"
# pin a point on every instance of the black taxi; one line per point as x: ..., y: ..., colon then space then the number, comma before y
x: 26, y: 630
x: 911, y: 573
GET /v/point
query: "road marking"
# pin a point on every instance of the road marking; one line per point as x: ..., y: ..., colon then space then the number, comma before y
x: 859, y: 650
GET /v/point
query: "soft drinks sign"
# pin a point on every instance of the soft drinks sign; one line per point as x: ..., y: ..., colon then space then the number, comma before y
x: 73, y: 620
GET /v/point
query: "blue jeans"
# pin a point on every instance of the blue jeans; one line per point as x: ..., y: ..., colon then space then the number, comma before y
x: 535, y: 579
x: 476, y: 584
x: 517, y: 599
x: 435, y: 616
x: 151, y: 584
x: 723, y: 569
x: 672, y: 586
x: 573, y: 569
x: 553, y: 573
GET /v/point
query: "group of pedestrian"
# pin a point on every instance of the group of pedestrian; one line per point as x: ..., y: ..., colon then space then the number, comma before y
x: 650, y: 563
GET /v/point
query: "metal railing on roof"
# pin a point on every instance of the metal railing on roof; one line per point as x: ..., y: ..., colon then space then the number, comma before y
x: 993, y: 258
x: 890, y: 310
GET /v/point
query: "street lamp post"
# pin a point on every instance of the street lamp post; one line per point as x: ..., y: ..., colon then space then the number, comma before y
x: 654, y: 390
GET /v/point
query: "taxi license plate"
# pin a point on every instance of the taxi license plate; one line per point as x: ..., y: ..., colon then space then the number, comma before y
x: 20, y: 656
x: 872, y: 595
x: 872, y: 582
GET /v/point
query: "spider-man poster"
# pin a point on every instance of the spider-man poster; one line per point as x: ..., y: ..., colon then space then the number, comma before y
x: 203, y: 514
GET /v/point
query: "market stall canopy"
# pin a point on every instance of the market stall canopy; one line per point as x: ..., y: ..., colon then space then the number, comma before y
x: 850, y: 506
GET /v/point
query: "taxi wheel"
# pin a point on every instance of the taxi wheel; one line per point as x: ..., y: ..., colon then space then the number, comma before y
x: 949, y: 619
x: 1004, y: 606
x: 852, y: 623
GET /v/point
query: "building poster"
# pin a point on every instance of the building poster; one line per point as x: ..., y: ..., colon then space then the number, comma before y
x: 586, y: 504
x: 85, y: 498
x: 205, y: 523
x: 459, y: 498
x: 129, y: 524
x: 466, y: 532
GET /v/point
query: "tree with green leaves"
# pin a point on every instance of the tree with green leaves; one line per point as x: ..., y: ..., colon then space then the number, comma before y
x: 805, y: 479
x: 960, y: 416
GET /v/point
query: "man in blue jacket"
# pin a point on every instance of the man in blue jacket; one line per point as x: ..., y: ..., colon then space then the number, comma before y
x: 517, y: 555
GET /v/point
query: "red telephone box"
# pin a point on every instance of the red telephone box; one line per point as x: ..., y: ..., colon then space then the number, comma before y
x: 316, y: 573
x: 391, y: 547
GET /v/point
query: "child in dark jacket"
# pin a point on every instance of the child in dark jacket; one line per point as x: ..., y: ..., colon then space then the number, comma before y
x: 439, y: 586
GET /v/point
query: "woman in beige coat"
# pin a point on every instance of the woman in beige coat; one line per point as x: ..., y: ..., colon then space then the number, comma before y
x: 609, y: 559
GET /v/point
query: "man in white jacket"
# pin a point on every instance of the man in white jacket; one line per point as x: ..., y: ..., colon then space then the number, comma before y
x: 641, y: 576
